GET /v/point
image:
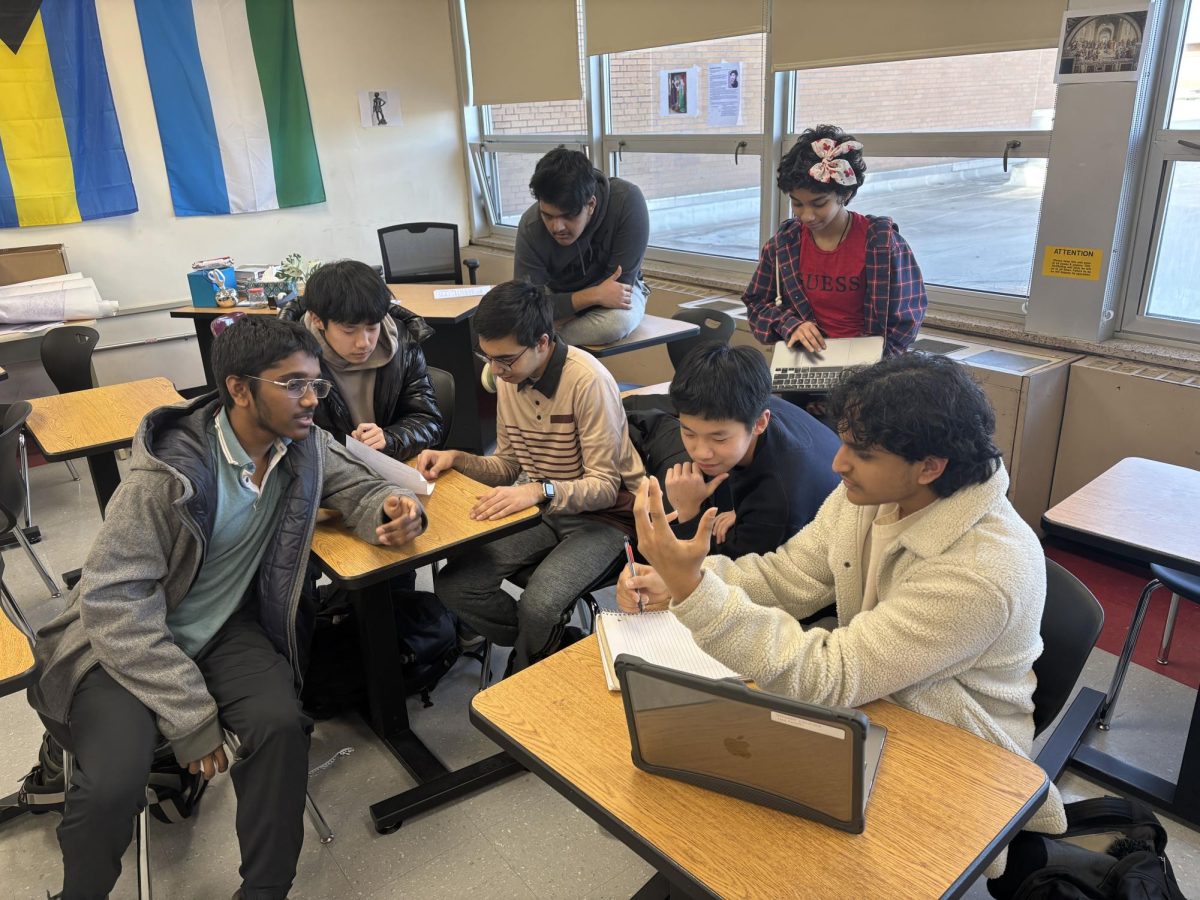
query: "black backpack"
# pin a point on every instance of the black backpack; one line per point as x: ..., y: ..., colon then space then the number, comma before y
x: 335, y: 680
x: 1113, y: 849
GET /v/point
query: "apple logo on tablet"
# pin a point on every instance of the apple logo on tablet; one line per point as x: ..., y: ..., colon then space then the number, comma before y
x: 737, y: 746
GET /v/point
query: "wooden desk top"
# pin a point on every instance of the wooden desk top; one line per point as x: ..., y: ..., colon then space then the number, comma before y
x: 653, y: 330
x: 16, y: 657
x: 80, y: 423
x: 199, y: 312
x: 1141, y: 508
x: 941, y: 798
x: 663, y: 388
x: 418, y: 298
x: 355, y: 564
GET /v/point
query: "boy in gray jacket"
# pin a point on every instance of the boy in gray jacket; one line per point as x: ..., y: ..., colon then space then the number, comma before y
x: 187, y: 619
x: 583, y: 241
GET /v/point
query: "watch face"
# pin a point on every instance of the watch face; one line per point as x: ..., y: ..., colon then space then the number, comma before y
x: 548, y: 490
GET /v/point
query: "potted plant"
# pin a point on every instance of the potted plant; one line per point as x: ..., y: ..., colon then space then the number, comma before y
x: 296, y: 271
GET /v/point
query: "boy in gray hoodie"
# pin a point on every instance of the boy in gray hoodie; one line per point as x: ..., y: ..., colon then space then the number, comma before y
x: 584, y: 241
x: 187, y: 617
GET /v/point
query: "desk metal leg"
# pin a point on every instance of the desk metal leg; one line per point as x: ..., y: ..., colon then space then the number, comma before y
x: 388, y: 716
x: 105, y: 477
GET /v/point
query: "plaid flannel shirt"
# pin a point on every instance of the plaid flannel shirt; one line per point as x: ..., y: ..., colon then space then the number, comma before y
x: 895, y: 298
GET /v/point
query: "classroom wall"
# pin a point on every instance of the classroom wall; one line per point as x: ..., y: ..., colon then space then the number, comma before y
x: 373, y: 177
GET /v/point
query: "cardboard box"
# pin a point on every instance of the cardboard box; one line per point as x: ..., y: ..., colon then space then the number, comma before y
x: 19, y: 264
x: 204, y: 292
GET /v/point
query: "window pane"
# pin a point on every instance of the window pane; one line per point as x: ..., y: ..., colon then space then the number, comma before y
x: 980, y: 92
x: 970, y: 224
x: 1175, y: 283
x: 636, y: 84
x: 699, y: 202
x: 1185, y: 106
x: 510, y: 174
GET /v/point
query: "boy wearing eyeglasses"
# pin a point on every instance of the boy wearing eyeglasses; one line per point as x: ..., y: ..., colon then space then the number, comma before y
x: 187, y: 618
x: 562, y: 444
x: 372, y: 355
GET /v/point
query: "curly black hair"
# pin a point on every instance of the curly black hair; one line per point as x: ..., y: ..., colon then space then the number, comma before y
x: 718, y: 381
x: 793, y: 168
x: 916, y: 406
x: 565, y: 179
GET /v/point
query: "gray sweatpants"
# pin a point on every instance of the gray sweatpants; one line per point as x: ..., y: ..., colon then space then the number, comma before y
x: 113, y: 736
x: 601, y: 325
x: 569, y: 552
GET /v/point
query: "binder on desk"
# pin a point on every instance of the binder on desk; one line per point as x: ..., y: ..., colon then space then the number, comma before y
x: 656, y: 637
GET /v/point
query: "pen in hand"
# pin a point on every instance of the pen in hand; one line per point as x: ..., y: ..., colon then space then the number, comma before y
x: 633, y: 574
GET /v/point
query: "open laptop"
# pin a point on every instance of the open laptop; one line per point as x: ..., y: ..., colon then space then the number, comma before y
x: 799, y: 370
x: 811, y: 761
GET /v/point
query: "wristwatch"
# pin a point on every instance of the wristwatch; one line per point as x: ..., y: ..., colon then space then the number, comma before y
x: 547, y: 490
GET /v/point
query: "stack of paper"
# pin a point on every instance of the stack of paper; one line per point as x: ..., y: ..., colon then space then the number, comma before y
x: 54, y: 299
x: 658, y: 638
x: 389, y: 469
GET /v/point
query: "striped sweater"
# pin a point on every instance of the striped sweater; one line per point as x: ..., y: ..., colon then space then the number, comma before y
x: 568, y: 427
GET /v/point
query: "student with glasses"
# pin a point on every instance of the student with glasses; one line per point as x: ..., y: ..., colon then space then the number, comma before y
x: 562, y: 444
x: 187, y: 618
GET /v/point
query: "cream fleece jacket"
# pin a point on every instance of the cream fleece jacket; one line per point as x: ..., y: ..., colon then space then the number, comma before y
x: 954, y: 636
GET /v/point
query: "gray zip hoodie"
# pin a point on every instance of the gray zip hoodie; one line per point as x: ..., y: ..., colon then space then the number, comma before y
x: 617, y: 234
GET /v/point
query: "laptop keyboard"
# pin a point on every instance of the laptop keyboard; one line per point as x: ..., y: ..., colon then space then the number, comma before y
x: 807, y: 379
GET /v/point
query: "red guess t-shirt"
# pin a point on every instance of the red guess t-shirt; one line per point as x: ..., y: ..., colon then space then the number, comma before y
x: 834, y: 281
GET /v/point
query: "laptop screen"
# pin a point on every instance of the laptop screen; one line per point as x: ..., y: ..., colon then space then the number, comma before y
x: 804, y: 760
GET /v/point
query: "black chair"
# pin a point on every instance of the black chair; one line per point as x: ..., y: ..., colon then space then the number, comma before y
x: 716, y: 327
x: 422, y: 252
x: 1071, y: 623
x: 443, y: 393
x: 67, y: 359
x: 13, y: 487
x: 1182, y: 585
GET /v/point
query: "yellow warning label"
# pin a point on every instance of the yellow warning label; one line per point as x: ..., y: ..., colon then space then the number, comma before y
x: 1073, y: 262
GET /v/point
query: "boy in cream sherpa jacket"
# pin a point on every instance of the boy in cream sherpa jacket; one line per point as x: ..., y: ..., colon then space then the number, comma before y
x: 938, y: 583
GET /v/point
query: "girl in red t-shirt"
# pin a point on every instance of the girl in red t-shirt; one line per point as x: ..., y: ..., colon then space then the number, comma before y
x: 829, y: 272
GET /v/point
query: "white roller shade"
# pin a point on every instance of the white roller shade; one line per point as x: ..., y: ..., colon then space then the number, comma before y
x: 523, y: 51
x: 805, y: 34
x: 617, y: 25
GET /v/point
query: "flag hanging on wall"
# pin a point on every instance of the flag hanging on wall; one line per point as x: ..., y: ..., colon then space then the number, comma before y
x: 61, y: 155
x: 231, y: 105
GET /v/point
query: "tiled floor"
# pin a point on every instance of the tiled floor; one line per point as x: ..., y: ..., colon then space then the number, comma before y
x: 517, y: 840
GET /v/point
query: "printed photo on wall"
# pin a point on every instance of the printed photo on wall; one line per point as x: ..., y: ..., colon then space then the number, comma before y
x: 725, y: 94
x: 1101, y: 44
x: 377, y: 109
x: 679, y: 92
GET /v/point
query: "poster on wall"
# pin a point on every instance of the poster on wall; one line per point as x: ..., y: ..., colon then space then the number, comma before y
x: 379, y: 109
x: 1101, y: 44
x: 725, y: 94
x: 679, y: 92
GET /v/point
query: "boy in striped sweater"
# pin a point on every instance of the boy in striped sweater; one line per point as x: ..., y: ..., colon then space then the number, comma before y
x: 562, y: 443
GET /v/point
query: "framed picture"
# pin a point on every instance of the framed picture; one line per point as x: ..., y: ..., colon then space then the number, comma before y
x: 1102, y: 44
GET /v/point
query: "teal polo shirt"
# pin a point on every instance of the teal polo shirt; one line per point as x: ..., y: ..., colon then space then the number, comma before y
x: 245, y: 518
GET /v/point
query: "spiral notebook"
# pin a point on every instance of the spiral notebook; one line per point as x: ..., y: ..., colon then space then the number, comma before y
x: 658, y: 638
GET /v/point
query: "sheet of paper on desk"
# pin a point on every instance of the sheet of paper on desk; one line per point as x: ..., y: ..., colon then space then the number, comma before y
x: 657, y: 637
x: 389, y: 469
x: 475, y: 290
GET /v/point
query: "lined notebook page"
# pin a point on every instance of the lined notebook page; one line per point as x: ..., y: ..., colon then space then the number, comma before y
x: 658, y: 638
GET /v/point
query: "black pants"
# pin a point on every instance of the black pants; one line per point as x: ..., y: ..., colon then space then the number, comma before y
x: 113, y: 736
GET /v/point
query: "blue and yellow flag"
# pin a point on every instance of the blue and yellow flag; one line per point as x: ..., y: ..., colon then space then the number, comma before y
x: 61, y: 155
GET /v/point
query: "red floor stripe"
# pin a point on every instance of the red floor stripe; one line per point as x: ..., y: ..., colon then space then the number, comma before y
x: 1117, y: 585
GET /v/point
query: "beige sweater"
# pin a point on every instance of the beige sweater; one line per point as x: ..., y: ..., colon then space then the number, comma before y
x: 568, y: 428
x: 954, y: 635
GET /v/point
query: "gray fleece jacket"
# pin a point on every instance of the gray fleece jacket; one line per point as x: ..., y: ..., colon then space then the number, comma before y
x: 617, y: 234
x: 150, y: 549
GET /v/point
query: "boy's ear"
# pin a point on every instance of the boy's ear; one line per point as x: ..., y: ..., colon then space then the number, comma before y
x: 760, y: 424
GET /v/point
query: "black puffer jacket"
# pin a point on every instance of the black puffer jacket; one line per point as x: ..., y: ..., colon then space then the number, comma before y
x: 405, y: 407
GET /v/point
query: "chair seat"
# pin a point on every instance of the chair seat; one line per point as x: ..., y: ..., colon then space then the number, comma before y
x: 1181, y: 583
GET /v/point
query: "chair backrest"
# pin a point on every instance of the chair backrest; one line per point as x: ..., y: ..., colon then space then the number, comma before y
x: 12, y: 484
x: 67, y: 357
x: 716, y: 327
x: 418, y: 252
x: 1071, y: 623
x: 443, y: 393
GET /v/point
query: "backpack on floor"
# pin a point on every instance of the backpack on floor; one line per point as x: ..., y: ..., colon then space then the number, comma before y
x: 1113, y: 849
x: 335, y: 680
x: 172, y: 792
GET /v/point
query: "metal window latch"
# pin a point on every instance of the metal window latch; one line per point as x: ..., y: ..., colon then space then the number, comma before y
x: 620, y: 151
x: 1009, y: 146
x: 741, y: 145
x: 1191, y: 145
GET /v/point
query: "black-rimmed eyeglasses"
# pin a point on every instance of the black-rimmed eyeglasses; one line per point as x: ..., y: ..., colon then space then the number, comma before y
x: 504, y: 362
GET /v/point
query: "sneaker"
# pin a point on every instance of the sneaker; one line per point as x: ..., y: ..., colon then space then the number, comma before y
x: 468, y: 638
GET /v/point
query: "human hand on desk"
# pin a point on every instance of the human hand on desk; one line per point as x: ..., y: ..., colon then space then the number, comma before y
x: 432, y: 463
x: 654, y: 594
x: 505, y: 501
x: 676, y: 562
x: 808, y: 336
x: 404, y: 521
x: 371, y: 435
